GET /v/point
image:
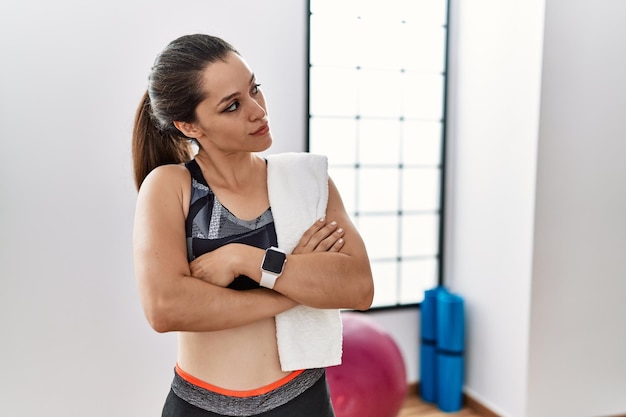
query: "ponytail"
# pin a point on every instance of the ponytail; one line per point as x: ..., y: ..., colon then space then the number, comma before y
x: 174, y: 92
x: 153, y: 146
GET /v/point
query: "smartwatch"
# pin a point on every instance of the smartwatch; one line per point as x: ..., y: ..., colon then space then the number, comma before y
x: 272, y: 267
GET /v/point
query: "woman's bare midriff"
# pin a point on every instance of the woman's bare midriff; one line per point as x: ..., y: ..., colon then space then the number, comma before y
x: 239, y: 359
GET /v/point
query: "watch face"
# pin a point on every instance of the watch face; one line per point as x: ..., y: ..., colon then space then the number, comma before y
x: 274, y: 261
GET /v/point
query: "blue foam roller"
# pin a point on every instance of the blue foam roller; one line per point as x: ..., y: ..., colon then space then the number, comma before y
x: 450, y: 322
x: 428, y: 372
x: 428, y: 344
x: 428, y: 314
x: 449, y: 381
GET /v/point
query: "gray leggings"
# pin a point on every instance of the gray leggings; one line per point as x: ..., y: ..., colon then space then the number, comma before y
x: 305, y: 396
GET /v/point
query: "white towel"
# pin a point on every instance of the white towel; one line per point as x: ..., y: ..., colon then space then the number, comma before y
x: 297, y: 185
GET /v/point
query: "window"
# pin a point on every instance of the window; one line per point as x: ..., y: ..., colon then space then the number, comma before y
x: 377, y: 80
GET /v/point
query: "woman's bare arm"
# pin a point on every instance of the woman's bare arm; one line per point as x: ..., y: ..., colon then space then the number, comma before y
x: 172, y: 299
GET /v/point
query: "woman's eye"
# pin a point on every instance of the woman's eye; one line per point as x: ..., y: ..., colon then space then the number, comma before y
x: 232, y: 107
x: 256, y: 88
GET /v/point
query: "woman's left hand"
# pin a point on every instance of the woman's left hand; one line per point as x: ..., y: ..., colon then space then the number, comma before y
x: 322, y: 236
x: 215, y: 267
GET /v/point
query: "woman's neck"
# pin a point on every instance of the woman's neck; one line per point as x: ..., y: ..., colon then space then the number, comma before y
x: 234, y: 171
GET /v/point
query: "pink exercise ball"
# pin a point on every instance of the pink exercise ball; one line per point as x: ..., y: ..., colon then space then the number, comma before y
x: 371, y: 381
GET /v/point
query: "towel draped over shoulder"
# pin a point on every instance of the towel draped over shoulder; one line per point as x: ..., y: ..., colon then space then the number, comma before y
x: 298, y: 195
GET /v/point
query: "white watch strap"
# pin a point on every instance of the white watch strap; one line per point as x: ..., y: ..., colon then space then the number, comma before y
x: 268, y: 280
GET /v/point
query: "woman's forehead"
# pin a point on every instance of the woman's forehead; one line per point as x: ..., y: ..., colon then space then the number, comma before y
x: 226, y: 76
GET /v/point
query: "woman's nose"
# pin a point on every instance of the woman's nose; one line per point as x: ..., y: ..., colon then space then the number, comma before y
x: 258, y: 110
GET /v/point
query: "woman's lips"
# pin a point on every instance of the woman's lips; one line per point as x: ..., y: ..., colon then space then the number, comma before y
x: 262, y: 130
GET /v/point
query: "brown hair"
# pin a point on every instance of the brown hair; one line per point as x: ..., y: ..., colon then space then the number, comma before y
x: 174, y: 92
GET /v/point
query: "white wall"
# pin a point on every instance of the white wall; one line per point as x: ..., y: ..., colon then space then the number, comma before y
x: 536, y: 227
x: 74, y: 341
x: 493, y: 120
x: 577, y: 359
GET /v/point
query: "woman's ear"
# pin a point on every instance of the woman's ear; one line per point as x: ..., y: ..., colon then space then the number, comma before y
x: 188, y: 129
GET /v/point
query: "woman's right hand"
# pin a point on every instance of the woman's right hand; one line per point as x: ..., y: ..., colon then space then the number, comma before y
x: 322, y: 236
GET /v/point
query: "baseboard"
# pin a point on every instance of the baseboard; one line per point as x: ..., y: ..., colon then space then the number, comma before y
x: 468, y: 401
x: 478, y: 407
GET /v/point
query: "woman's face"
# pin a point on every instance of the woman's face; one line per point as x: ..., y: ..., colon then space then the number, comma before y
x: 233, y: 116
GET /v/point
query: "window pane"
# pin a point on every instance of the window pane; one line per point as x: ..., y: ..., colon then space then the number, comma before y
x: 421, y: 143
x: 379, y: 141
x: 422, y: 97
x: 379, y: 48
x: 343, y: 9
x: 380, y: 234
x: 344, y: 179
x: 431, y: 12
x: 417, y: 276
x: 420, y: 235
x: 338, y: 50
x: 335, y: 138
x: 333, y: 92
x: 385, y: 283
x: 428, y: 44
x: 378, y: 190
x: 420, y: 189
x: 379, y: 93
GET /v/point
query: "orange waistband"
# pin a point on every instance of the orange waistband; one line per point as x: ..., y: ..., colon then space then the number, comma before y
x: 231, y: 393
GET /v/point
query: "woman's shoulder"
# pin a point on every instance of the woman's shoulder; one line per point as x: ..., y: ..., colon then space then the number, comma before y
x: 169, y: 171
x: 171, y: 176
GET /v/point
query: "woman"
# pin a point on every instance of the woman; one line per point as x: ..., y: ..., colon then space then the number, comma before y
x: 198, y: 263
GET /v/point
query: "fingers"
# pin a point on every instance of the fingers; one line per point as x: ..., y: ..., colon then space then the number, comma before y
x: 194, y: 268
x: 330, y: 242
x: 336, y: 247
x: 311, y: 231
x: 321, y: 237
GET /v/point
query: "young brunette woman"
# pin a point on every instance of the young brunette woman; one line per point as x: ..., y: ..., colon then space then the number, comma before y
x: 203, y: 227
